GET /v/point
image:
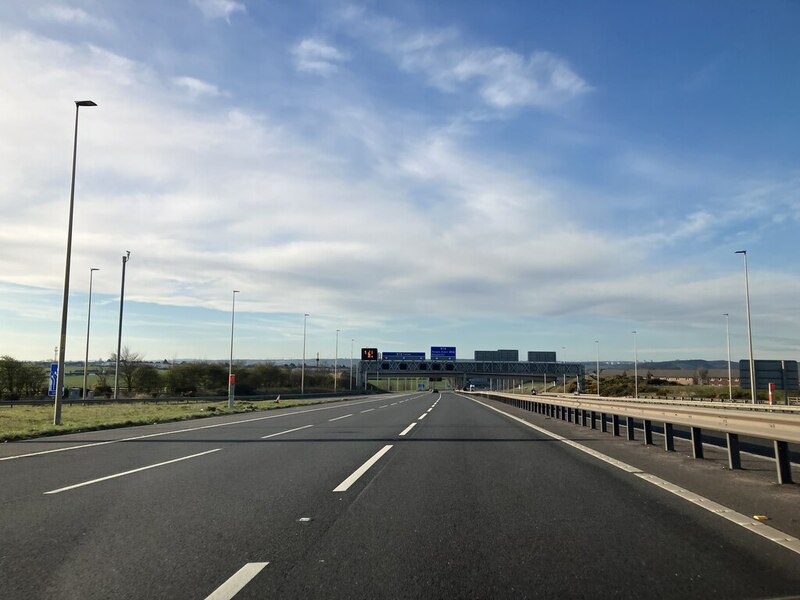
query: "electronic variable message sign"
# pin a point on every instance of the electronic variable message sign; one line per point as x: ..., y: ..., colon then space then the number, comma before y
x: 369, y: 354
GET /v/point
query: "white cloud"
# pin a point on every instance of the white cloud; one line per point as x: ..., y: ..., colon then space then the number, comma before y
x: 504, y: 79
x: 219, y: 9
x: 210, y: 200
x: 198, y: 87
x: 73, y: 16
x: 315, y: 56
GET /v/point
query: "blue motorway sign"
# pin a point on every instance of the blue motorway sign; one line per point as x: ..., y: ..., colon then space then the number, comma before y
x: 403, y: 356
x: 51, y: 391
x: 443, y: 352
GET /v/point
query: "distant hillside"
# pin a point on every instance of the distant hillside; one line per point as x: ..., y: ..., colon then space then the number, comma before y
x: 683, y: 365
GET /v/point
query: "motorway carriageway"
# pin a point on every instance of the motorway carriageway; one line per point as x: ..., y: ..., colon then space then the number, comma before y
x: 415, y: 495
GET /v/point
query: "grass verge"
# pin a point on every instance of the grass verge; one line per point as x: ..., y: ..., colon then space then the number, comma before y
x: 22, y: 422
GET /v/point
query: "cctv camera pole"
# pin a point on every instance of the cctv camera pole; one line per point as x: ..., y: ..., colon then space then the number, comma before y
x: 125, y: 260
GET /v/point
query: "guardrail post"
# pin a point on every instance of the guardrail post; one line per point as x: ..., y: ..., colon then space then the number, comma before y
x: 575, y: 416
x: 629, y: 428
x: 583, y: 418
x: 669, y: 438
x: 697, y: 442
x: 615, y: 425
x: 648, y: 433
x: 594, y: 419
x: 603, y: 424
x: 782, y: 463
x: 734, y: 460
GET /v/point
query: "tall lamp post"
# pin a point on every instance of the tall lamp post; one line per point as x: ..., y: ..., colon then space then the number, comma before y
x: 335, y: 361
x: 88, y: 323
x: 303, y: 365
x: 65, y: 301
x: 598, y: 367
x: 352, y: 341
x: 125, y: 260
x: 728, y: 337
x: 231, y: 383
x: 749, y: 330
x: 635, y: 367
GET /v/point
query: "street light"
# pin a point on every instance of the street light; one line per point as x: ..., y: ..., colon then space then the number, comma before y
x: 352, y: 341
x: 635, y: 367
x: 335, y: 361
x: 125, y: 260
x: 231, y: 384
x: 728, y: 336
x: 303, y: 365
x: 88, y: 322
x: 598, y: 367
x: 65, y: 302
x: 749, y: 330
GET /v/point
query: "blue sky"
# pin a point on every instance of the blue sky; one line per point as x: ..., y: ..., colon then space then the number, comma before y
x: 531, y: 175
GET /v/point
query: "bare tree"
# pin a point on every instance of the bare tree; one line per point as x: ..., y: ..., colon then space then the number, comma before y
x: 129, y: 361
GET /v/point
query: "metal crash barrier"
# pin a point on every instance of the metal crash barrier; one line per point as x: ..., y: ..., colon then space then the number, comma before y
x: 781, y: 427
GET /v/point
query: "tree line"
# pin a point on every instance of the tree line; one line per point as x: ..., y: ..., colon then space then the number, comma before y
x: 20, y: 379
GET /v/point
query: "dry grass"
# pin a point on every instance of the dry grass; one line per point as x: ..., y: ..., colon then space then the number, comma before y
x: 22, y: 422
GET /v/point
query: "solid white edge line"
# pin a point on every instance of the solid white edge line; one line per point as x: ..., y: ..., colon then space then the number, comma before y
x: 176, y: 431
x: 342, y: 417
x: 774, y: 535
x: 287, y: 431
x: 345, y: 485
x: 115, y: 475
x: 407, y: 429
x: 237, y: 581
x: 422, y: 416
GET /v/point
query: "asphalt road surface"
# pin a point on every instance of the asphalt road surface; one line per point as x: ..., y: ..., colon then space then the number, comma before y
x: 414, y: 495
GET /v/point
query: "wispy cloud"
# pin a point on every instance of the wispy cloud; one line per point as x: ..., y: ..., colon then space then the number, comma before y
x: 312, y: 55
x: 62, y: 13
x: 219, y: 9
x: 198, y: 87
x: 503, y: 78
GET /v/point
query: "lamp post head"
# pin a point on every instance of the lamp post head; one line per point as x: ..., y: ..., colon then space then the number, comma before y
x: 741, y: 252
x: 84, y: 103
x: 235, y: 291
x: 93, y: 269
